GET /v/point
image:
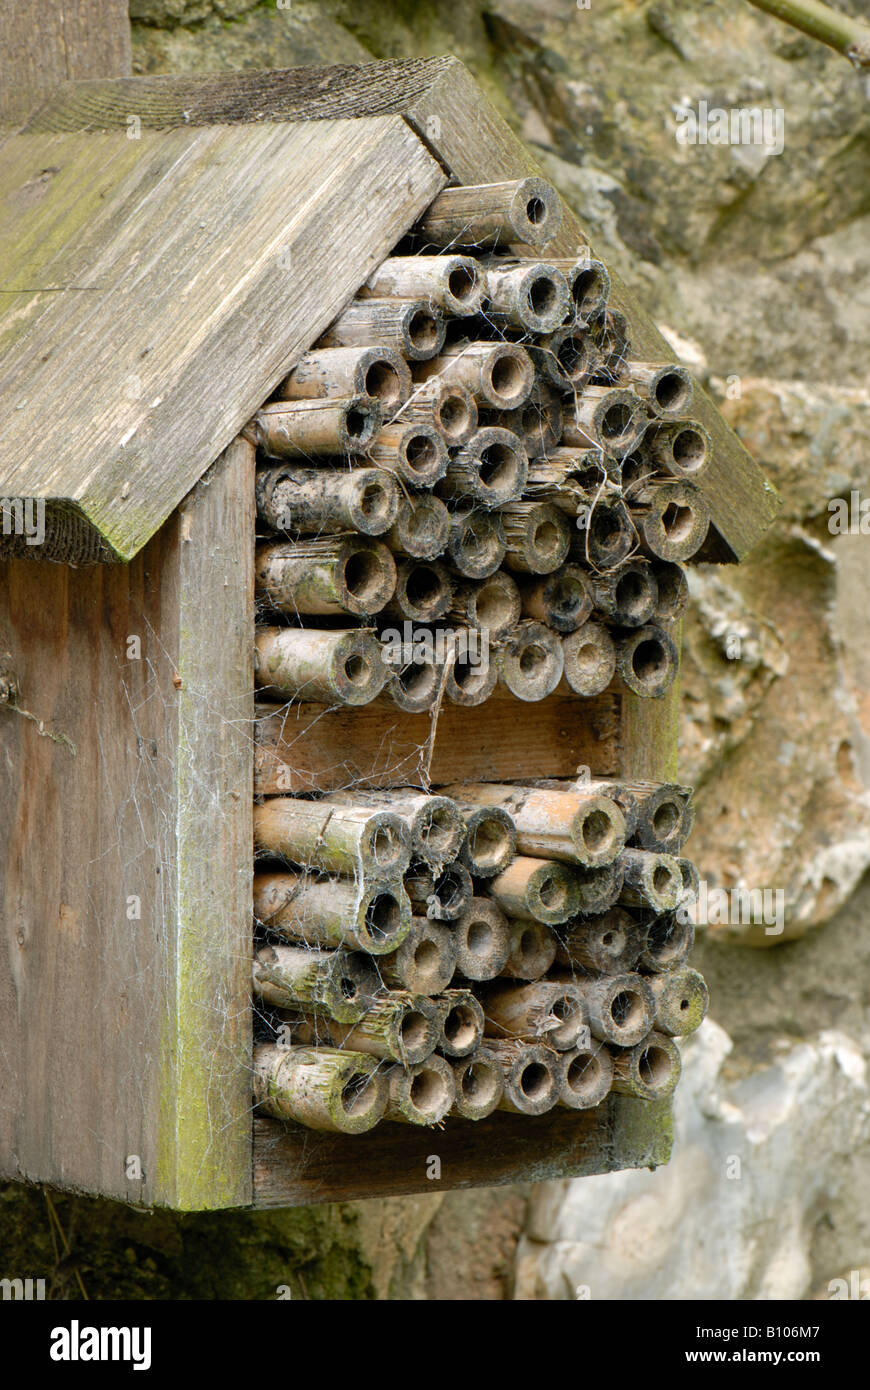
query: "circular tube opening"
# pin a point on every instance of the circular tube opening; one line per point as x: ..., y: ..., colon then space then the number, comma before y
x: 362, y: 576
x: 423, y: 331
x: 671, y: 391
x: 648, y: 659
x: 382, y: 382
x: 689, y: 450
x: 383, y: 917
x: 654, y: 1067
x: 462, y: 283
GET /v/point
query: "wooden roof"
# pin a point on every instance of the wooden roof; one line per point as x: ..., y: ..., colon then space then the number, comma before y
x: 327, y: 162
x: 155, y: 289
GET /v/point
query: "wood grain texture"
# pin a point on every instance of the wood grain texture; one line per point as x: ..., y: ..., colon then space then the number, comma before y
x: 442, y: 102
x: 155, y: 291
x: 298, y: 1167
x: 324, y: 749
x: 126, y: 1035
x: 205, y: 1044
x: 45, y: 44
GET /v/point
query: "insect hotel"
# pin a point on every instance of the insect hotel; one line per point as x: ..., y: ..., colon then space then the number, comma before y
x: 346, y: 501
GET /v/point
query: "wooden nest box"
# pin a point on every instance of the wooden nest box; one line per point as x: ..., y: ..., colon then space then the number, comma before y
x: 179, y: 254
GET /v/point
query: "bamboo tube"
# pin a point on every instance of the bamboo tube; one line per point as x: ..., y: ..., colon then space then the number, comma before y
x: 491, y: 605
x: 453, y: 284
x: 589, y: 467
x: 399, y: 1027
x: 606, y: 945
x: 319, y: 501
x: 342, y: 666
x: 574, y: 826
x: 482, y: 940
x: 650, y: 1070
x: 378, y: 372
x: 489, y: 470
x: 424, y: 963
x: 333, y: 912
x: 340, y: 576
x: 528, y: 211
x: 562, y: 600
x: 608, y: 536
x: 470, y: 681
x: 323, y: 1089
x: 681, y: 447
x: 651, y: 879
x: 598, y: 887
x: 548, y: 892
x: 537, y: 537
x: 681, y: 1001
x: 567, y: 359
x: 691, y: 881
x: 424, y: 591
x: 647, y: 661
x: 588, y: 660
x: 625, y: 794
x: 498, y: 375
x: 461, y: 1023
x: 673, y: 591
x: 531, y: 1085
x: 584, y: 1074
x: 626, y: 596
x: 479, y: 1085
x: 619, y: 1008
x: 532, y: 296
x: 669, y: 941
x: 325, y: 835
x: 306, y: 429
x: 673, y: 519
x: 554, y: 1014
x: 530, y: 661
x: 423, y: 1094
x: 448, y: 406
x: 476, y: 545
x: 490, y: 839
x: 416, y: 452
x: 341, y: 983
x: 664, y: 387
x: 409, y: 326
x: 434, y: 823
x: 421, y: 528
x: 532, y: 950
x: 415, y: 683
x: 441, y: 896
x: 664, y: 815
x: 606, y: 417
x: 611, y: 336
x: 537, y: 422
x: 589, y: 284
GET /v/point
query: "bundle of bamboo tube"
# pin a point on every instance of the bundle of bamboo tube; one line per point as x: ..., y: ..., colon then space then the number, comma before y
x: 472, y: 459
x: 482, y: 947
x: 471, y: 487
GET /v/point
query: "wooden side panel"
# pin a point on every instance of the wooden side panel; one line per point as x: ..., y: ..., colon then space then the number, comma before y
x: 125, y: 864
x: 305, y: 748
x: 154, y: 290
x: 205, y: 1045
x: 44, y: 44
x: 297, y: 1167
